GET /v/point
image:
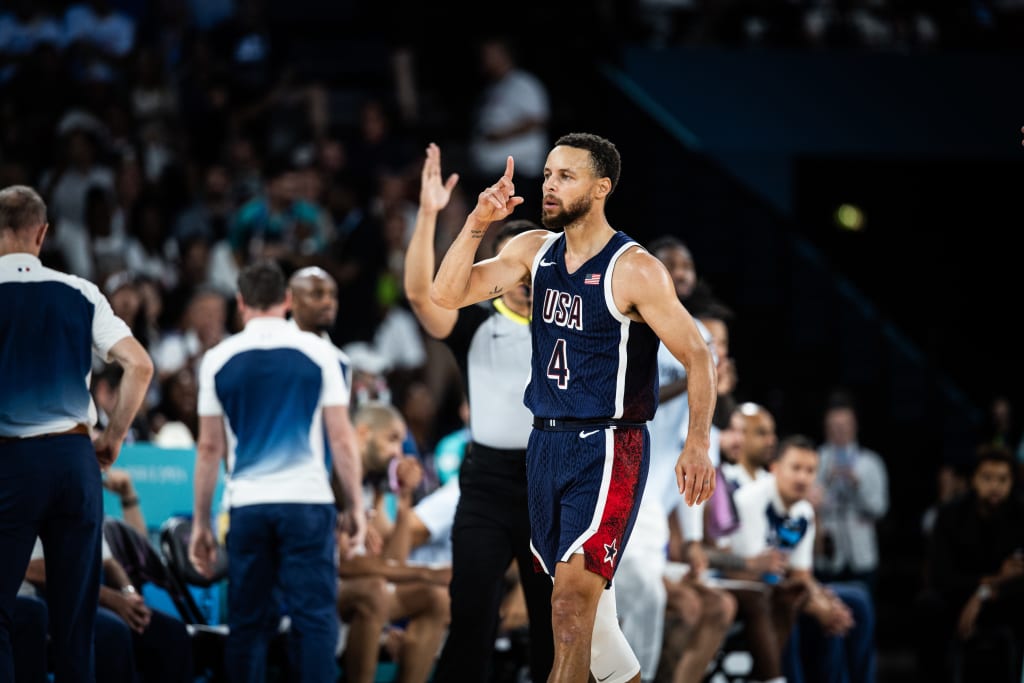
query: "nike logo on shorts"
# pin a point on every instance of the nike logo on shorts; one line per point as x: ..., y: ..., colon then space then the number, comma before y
x: 584, y: 435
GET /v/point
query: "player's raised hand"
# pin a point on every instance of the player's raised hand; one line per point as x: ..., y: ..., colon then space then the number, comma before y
x: 434, y: 194
x: 499, y: 200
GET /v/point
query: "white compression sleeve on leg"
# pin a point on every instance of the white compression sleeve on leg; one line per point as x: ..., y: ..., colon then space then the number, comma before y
x: 611, y: 658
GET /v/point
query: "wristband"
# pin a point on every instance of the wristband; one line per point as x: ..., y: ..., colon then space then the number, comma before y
x: 128, y: 590
x: 129, y: 502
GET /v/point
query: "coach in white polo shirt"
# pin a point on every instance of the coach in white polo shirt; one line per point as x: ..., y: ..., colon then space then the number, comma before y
x: 266, y: 395
x: 51, y: 323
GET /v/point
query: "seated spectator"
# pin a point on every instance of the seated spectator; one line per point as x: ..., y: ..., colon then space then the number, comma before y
x: 974, y: 589
x: 78, y: 168
x: 776, y: 518
x: 378, y: 586
x: 277, y: 223
x: 759, y: 441
x: 93, y: 247
x: 209, y: 215
x: 952, y: 480
x: 815, y: 654
x: 99, y: 34
x: 375, y: 593
x: 133, y: 641
x: 203, y: 326
x: 811, y: 648
x: 175, y: 421
x: 150, y: 251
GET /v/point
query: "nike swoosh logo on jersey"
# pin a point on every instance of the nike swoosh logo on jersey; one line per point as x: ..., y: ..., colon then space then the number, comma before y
x: 547, y: 263
x: 584, y: 435
x: 606, y: 677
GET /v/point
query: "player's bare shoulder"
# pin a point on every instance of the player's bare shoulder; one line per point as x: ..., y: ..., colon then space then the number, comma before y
x: 638, y: 277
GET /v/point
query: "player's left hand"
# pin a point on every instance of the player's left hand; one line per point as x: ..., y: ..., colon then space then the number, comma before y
x: 695, y: 475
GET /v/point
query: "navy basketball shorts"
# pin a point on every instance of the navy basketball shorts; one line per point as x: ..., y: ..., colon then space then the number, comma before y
x: 584, y: 490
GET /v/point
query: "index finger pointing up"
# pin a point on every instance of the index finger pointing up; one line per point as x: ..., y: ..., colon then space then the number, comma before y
x: 510, y: 166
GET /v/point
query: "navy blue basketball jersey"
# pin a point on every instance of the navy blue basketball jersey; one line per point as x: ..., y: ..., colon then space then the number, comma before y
x: 589, y: 360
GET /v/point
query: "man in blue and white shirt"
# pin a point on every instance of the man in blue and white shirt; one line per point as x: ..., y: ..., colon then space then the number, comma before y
x: 51, y: 324
x: 266, y: 395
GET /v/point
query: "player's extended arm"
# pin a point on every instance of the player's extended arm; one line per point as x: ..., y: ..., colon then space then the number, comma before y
x: 641, y: 283
x: 419, y: 256
x: 459, y: 281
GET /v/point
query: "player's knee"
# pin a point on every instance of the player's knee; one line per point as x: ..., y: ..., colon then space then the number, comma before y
x: 611, y: 658
x: 687, y: 605
x: 439, y: 604
x: 367, y: 599
x: 720, y: 609
x: 566, y: 610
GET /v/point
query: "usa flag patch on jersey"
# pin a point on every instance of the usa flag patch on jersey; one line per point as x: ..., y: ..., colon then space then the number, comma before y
x: 592, y: 279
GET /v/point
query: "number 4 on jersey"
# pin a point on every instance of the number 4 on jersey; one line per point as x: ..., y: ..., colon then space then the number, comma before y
x: 558, y: 366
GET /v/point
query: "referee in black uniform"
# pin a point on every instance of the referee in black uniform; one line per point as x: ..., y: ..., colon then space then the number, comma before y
x: 491, y: 342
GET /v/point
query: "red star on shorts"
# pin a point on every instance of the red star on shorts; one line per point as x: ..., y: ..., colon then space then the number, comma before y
x: 610, y: 551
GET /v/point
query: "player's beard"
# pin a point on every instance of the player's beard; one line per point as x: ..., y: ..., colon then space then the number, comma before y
x: 567, y: 216
x: 373, y: 458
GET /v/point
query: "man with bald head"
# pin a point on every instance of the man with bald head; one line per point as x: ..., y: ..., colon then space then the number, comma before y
x: 315, y: 307
x: 759, y: 443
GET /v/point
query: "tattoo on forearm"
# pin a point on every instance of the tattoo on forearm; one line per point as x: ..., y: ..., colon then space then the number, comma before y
x: 476, y: 233
x: 496, y: 291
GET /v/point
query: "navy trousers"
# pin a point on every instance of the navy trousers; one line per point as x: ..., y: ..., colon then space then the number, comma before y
x: 50, y: 487
x: 812, y: 656
x: 30, y: 626
x: 288, y: 547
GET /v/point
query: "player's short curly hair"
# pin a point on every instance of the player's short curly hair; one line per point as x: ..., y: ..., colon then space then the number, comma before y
x: 604, y: 155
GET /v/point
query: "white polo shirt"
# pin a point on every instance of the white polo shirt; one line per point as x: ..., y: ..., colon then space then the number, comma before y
x: 437, y: 512
x: 270, y: 383
x: 51, y: 323
x: 765, y: 522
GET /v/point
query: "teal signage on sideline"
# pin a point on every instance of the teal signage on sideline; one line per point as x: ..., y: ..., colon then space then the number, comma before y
x: 163, y: 478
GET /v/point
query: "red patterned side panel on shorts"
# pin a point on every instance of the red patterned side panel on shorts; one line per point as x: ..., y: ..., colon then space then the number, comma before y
x: 602, y: 550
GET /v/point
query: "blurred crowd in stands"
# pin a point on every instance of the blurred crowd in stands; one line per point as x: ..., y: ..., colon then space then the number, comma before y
x: 886, y: 25
x: 174, y: 144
